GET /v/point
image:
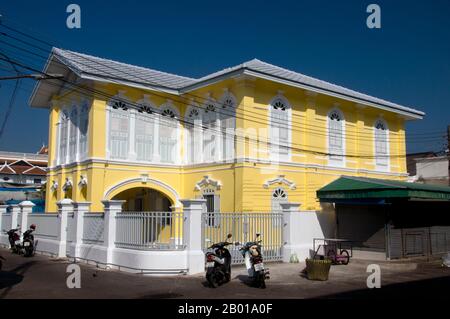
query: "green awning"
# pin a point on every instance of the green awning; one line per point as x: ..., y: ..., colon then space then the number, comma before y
x: 362, y: 188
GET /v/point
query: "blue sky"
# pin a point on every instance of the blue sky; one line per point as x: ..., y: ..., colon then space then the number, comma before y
x: 407, y: 61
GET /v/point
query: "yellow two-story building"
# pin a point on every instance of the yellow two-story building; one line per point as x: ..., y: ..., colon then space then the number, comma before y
x: 246, y: 138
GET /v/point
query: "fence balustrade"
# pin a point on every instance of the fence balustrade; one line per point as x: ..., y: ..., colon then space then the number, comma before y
x: 149, y: 230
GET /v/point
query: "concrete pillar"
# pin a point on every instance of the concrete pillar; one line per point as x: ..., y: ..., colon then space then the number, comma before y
x: 112, y: 207
x: 3, y: 236
x: 26, y: 207
x: 291, y: 242
x: 15, y: 210
x: 192, y: 230
x: 80, y: 208
x: 65, y: 206
x: 3, y: 209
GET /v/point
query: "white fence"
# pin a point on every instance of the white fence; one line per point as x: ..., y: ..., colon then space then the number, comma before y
x: 93, y: 228
x: 46, y: 225
x: 149, y: 230
x: 158, y: 242
x: 244, y: 227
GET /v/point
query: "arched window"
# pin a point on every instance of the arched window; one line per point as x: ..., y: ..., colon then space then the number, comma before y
x: 84, y: 125
x: 168, y: 133
x: 193, y: 120
x: 336, y: 127
x: 227, y: 116
x: 211, y: 133
x: 119, y: 130
x: 280, y: 125
x: 381, y: 145
x: 279, y: 196
x: 144, y: 131
x: 63, y: 136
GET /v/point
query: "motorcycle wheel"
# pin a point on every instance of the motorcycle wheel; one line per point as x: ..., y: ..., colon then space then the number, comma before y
x: 212, y: 279
x: 262, y: 280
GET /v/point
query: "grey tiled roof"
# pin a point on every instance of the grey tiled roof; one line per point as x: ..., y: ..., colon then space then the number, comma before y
x: 88, y: 64
x: 104, y: 68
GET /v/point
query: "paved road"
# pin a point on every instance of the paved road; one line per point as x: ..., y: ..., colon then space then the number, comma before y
x: 43, y: 277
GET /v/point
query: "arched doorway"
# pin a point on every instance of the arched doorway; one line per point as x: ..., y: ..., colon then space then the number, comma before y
x: 144, y: 199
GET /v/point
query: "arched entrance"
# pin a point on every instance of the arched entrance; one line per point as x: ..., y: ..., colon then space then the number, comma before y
x: 144, y: 199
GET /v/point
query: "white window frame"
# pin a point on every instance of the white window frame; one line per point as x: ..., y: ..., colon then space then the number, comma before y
x: 384, y: 167
x: 147, y: 106
x: 64, y: 127
x: 211, y: 130
x: 193, y: 135
x: 341, y: 160
x: 177, y: 149
x: 227, y: 114
x: 123, y: 113
x: 274, y: 144
x: 83, y: 113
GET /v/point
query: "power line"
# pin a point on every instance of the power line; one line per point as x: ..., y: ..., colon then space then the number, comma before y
x: 217, y: 132
x: 258, y: 141
x: 319, y: 133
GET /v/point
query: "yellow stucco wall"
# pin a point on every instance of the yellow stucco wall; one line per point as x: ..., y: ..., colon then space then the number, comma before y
x: 242, y: 181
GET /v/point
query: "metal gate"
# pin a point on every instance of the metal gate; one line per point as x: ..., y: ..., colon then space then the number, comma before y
x: 243, y: 227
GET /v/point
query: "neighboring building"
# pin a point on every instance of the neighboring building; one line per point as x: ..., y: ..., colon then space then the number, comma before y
x: 23, y: 168
x: 430, y: 167
x: 23, y: 177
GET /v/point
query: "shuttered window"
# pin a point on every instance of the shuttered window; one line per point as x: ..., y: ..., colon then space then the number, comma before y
x: 336, y: 137
x: 279, y: 128
x: 83, y: 126
x: 144, y: 136
x: 73, y: 135
x: 63, y: 135
x: 119, y: 134
x: 381, y: 149
x: 168, y: 136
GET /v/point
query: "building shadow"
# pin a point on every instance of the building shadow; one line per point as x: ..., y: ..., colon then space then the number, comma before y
x: 434, y: 288
x: 8, y: 279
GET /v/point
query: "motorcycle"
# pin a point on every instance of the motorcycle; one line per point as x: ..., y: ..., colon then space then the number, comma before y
x: 218, y: 263
x: 254, y: 262
x: 14, y: 240
x: 28, y: 244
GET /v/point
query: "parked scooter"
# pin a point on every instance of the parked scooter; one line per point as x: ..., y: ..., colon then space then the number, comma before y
x: 254, y: 262
x: 218, y: 263
x: 28, y: 244
x: 14, y: 240
x: 27, y: 247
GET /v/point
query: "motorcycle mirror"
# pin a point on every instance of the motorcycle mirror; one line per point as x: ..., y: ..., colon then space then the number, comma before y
x: 257, y: 235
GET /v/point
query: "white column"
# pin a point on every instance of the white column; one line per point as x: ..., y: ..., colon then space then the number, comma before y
x: 291, y: 228
x: 80, y: 208
x: 112, y: 207
x: 65, y: 206
x: 26, y: 207
x: 192, y: 209
x: 3, y: 237
x: 15, y: 210
x: 3, y: 209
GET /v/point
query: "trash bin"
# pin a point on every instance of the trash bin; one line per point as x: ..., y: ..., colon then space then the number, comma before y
x: 318, y: 269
